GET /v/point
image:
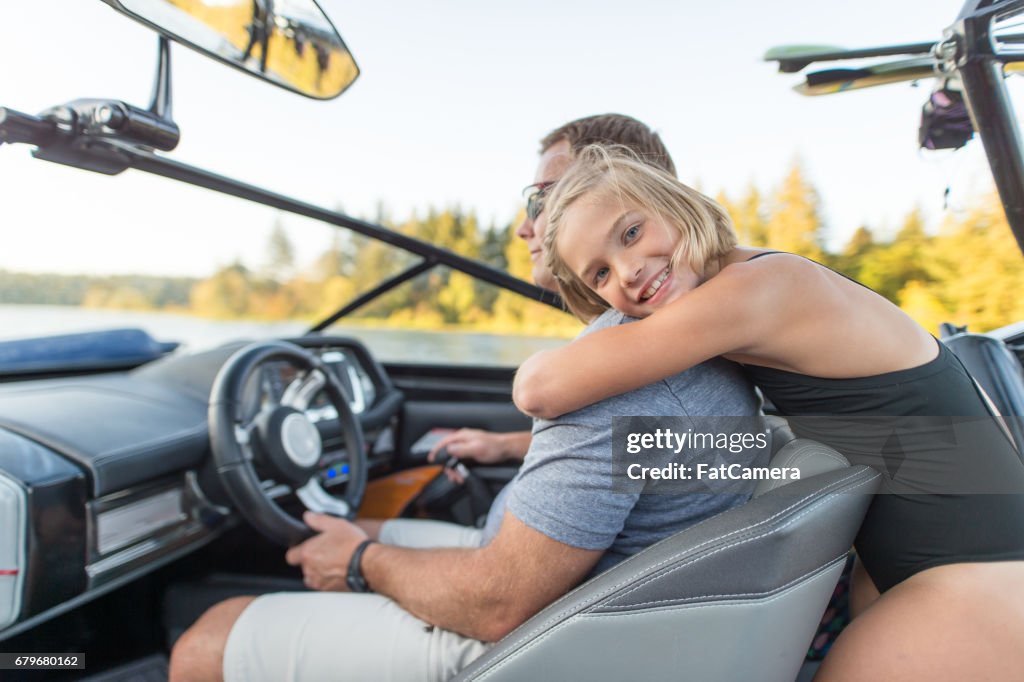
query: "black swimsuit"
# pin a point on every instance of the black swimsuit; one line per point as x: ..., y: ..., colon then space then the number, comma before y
x: 911, y: 527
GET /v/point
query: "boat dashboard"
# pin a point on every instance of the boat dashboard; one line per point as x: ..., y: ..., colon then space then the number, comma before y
x: 106, y: 477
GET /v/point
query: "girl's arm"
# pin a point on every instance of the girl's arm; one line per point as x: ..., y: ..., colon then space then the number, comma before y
x: 727, y: 313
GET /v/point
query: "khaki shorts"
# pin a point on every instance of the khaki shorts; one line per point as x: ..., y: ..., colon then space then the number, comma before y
x: 311, y: 636
x: 424, y: 534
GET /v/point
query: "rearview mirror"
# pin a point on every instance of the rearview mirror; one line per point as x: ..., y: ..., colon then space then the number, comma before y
x: 290, y: 43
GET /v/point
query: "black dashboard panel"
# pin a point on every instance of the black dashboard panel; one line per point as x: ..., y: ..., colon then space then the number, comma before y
x: 121, y: 430
x: 54, y: 523
x: 129, y: 428
x: 106, y: 473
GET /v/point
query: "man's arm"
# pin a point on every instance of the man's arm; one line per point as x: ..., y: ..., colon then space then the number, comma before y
x: 483, y: 593
x: 486, y: 447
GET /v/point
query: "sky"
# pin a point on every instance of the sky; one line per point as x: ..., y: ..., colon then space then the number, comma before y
x: 453, y: 98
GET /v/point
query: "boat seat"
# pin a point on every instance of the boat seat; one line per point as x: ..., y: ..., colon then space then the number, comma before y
x: 997, y: 370
x: 735, y: 597
x: 781, y: 433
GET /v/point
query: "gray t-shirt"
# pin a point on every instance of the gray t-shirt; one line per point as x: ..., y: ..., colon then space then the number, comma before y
x: 564, y: 488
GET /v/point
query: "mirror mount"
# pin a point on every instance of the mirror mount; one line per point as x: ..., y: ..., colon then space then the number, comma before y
x: 73, y: 134
x: 104, y: 119
x: 160, y: 106
x: 83, y: 125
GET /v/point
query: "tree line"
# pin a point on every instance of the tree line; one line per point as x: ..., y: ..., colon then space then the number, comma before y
x: 969, y: 272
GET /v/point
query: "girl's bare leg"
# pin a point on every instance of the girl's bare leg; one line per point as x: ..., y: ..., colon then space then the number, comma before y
x: 863, y: 592
x: 957, y: 622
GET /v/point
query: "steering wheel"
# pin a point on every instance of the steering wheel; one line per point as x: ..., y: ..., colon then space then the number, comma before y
x: 280, y: 441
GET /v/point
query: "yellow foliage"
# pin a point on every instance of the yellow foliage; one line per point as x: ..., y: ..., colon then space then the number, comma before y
x: 793, y: 224
x: 981, y: 270
x: 923, y: 306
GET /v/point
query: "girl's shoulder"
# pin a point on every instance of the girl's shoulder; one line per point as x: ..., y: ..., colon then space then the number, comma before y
x: 762, y: 277
x: 756, y: 264
x: 762, y: 257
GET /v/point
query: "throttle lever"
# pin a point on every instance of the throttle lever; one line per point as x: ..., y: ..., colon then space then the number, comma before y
x: 480, y: 497
x: 449, y: 461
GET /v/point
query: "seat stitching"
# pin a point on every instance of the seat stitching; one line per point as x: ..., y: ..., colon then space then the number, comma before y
x: 675, y: 557
x: 561, y: 614
x: 729, y: 594
x: 740, y: 542
x: 822, y: 452
x: 691, y: 607
x: 545, y: 635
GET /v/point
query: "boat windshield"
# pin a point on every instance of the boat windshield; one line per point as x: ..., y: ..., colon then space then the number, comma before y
x: 201, y: 269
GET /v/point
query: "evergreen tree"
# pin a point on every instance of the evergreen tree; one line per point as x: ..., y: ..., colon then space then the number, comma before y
x: 748, y: 217
x: 982, y: 267
x: 794, y: 224
x: 280, y: 253
x: 857, y: 250
x: 889, y: 268
x: 334, y: 262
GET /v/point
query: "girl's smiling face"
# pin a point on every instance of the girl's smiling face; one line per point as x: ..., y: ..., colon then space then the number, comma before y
x: 624, y: 254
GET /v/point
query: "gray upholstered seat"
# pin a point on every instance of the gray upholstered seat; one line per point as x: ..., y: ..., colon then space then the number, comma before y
x: 997, y: 370
x: 736, y: 597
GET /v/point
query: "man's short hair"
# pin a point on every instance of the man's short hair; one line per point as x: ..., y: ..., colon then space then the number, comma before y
x: 612, y: 129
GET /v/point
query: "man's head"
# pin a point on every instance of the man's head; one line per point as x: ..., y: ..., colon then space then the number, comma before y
x: 559, y: 148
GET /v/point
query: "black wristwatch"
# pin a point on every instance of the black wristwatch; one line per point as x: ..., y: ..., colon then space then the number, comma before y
x: 354, y: 579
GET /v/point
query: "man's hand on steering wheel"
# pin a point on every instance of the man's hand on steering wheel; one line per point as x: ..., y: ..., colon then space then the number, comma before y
x: 324, y: 558
x: 281, y: 441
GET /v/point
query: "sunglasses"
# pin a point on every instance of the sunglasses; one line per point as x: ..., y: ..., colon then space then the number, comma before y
x: 535, y: 194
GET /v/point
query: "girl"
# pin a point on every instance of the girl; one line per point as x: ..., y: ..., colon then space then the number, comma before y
x: 940, y: 595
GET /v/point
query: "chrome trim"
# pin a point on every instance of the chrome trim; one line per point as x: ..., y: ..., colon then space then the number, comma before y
x: 104, y: 588
x: 114, y: 560
x: 18, y: 529
x: 124, y: 525
x: 301, y: 440
x: 358, y: 401
x: 319, y: 500
x: 300, y: 393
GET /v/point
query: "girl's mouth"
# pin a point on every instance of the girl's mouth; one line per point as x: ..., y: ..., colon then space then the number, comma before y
x: 654, y: 287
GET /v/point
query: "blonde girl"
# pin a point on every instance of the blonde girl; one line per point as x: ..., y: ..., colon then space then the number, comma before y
x: 940, y: 597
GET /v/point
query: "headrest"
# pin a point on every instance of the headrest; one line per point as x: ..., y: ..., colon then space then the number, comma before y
x: 809, y: 456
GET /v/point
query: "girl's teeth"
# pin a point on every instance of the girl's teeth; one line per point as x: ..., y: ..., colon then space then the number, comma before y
x: 653, y: 289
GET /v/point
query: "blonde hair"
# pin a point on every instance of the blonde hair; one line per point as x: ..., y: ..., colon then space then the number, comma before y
x: 705, y: 228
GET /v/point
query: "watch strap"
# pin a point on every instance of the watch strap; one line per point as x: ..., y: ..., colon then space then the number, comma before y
x: 354, y: 578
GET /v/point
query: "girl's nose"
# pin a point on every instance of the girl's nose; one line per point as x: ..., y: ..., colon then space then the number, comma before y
x: 630, y: 273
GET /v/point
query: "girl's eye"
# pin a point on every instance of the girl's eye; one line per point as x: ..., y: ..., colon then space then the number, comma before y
x: 631, y: 234
x: 601, y: 275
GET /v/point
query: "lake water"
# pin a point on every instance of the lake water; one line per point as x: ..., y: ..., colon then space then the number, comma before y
x: 194, y: 333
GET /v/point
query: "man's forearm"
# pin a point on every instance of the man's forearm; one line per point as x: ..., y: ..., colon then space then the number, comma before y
x: 516, y: 444
x: 450, y: 588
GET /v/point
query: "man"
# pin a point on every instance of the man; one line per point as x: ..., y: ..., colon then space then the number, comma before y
x: 557, y: 150
x: 437, y: 608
